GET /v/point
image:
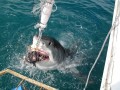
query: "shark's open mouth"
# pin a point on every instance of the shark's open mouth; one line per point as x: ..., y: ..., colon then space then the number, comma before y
x: 43, y: 55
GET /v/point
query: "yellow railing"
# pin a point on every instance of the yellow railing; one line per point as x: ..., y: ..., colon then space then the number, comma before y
x: 24, y: 78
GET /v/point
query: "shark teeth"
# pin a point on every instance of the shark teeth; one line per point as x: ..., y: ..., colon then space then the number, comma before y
x: 43, y: 55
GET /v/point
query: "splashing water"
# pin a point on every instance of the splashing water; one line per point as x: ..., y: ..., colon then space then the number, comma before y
x: 38, y: 7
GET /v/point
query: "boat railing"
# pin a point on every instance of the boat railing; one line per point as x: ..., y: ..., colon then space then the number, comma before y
x: 24, y: 78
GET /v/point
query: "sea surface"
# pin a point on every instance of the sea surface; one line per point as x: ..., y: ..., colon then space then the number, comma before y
x: 81, y: 24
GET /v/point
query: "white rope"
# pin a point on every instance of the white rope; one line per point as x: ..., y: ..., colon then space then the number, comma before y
x: 39, y: 37
x: 112, y: 28
x: 97, y: 59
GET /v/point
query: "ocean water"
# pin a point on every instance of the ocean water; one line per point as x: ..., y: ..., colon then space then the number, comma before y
x: 76, y: 23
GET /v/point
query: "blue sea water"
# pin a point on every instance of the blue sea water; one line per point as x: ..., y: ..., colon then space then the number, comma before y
x: 81, y: 23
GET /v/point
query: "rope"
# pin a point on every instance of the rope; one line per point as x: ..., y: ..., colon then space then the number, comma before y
x: 103, y: 45
x: 111, y: 62
x: 54, y: 10
x: 39, y: 37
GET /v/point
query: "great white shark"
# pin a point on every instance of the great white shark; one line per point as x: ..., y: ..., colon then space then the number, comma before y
x: 47, y: 53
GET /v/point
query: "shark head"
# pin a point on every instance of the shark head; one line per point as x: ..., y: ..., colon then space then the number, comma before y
x: 48, y: 49
x: 52, y: 48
